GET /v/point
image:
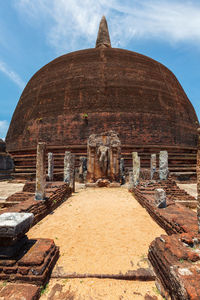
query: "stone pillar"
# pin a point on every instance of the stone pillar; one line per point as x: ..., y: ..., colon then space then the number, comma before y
x: 131, y: 181
x: 163, y: 165
x: 50, y: 166
x: 82, y: 168
x: 160, y: 198
x: 136, y: 168
x: 122, y: 172
x: 198, y: 180
x: 153, y: 165
x: 69, y: 161
x: 40, y: 172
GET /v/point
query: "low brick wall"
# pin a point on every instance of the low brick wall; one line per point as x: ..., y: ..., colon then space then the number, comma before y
x: 175, y: 258
x: 176, y: 261
x: 56, y: 193
x: 175, y: 218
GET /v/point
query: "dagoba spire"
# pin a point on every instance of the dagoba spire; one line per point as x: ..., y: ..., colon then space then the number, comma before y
x: 103, y: 38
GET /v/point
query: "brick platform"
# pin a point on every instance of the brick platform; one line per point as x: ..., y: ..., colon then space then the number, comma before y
x: 176, y: 261
x: 33, y: 263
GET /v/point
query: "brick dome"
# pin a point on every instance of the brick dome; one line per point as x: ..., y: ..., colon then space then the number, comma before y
x: 103, y: 89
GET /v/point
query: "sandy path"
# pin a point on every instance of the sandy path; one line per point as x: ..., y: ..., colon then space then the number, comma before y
x: 99, y: 231
x: 99, y: 289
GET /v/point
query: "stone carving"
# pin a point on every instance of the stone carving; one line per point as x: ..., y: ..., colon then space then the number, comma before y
x: 198, y: 181
x: 69, y: 161
x: 82, y: 169
x: 136, y: 168
x: 50, y: 166
x: 103, y: 157
x: 153, y: 165
x: 163, y: 165
x: 160, y: 198
x: 40, y: 172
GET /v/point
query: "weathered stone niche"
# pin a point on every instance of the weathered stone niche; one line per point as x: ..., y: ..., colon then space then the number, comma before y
x: 104, y: 151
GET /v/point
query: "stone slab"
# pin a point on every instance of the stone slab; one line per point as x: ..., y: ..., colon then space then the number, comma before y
x: 13, y: 223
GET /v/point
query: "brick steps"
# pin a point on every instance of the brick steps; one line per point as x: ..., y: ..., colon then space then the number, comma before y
x: 181, y: 159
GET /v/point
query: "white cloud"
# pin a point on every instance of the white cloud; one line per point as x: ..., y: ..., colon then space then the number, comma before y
x: 12, y: 75
x: 3, y: 128
x: 73, y: 24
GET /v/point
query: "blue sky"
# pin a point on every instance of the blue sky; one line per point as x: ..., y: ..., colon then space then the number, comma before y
x: 34, y: 32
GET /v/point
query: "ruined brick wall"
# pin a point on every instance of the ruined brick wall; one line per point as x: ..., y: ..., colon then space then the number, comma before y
x: 119, y: 90
x: 6, y: 162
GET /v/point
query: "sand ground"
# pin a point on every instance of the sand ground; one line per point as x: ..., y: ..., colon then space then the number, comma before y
x: 102, y: 231
x: 99, y: 231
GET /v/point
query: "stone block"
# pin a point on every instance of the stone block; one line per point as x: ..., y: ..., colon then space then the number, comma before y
x: 160, y: 198
x: 13, y: 224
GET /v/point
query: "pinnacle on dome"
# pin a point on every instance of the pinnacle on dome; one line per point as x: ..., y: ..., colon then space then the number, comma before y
x: 103, y: 38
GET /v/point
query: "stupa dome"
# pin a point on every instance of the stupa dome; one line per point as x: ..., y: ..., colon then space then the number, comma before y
x: 101, y: 89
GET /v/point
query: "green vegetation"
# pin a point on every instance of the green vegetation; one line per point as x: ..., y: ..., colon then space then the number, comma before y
x: 44, y: 289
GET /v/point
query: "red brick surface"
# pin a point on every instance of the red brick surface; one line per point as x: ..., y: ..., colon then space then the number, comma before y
x: 20, y: 292
x: 120, y: 90
x: 176, y: 261
x: 33, y: 263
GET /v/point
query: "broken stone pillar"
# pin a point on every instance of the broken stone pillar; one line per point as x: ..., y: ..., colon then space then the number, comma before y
x: 50, y: 166
x: 13, y: 227
x: 69, y: 161
x: 122, y: 170
x: 153, y: 165
x: 131, y: 181
x: 82, y: 168
x: 198, y: 180
x: 163, y: 165
x: 136, y: 168
x: 160, y: 198
x: 40, y: 172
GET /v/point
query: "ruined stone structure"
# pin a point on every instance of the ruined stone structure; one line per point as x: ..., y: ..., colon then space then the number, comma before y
x: 100, y: 89
x: 6, y: 162
x: 69, y: 169
x: 50, y: 166
x: 136, y: 168
x: 82, y: 169
x: 40, y: 172
x: 153, y: 165
x: 163, y: 165
x: 104, y: 152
